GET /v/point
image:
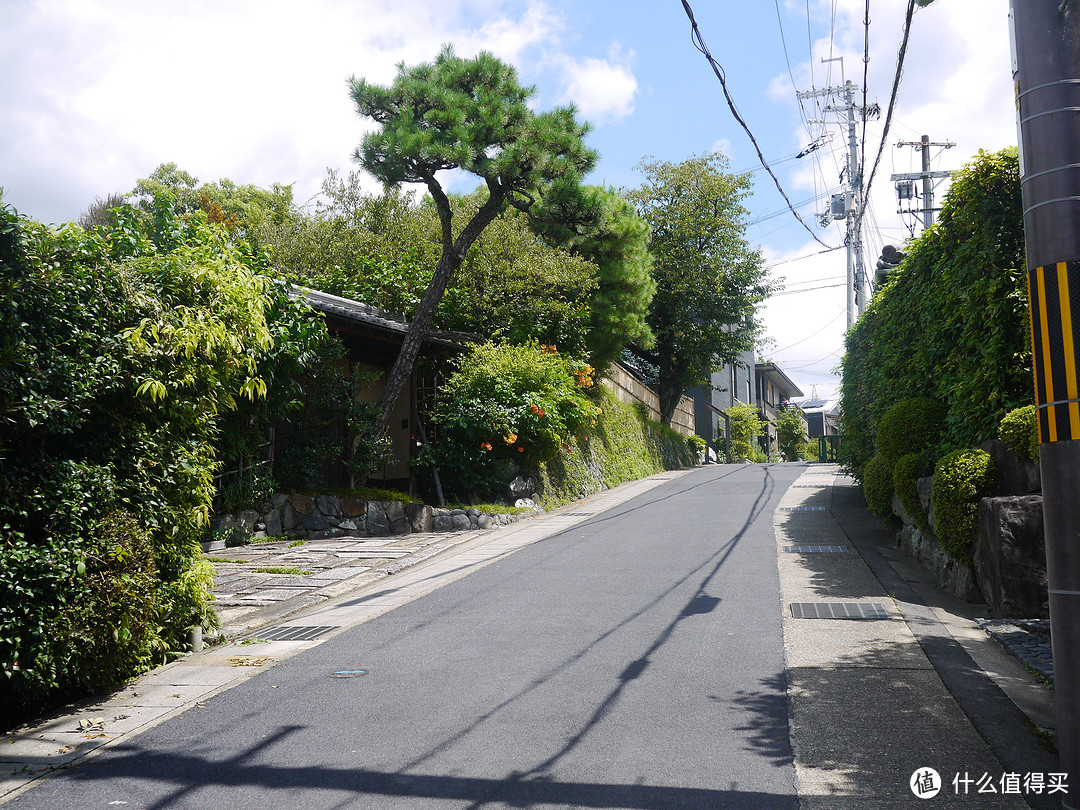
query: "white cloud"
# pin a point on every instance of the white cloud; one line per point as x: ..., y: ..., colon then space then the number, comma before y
x: 603, y: 89
x: 97, y: 93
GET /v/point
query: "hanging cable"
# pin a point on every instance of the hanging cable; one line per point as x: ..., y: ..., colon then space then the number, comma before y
x: 699, y: 43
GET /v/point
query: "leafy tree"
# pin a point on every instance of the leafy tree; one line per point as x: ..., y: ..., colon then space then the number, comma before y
x: 790, y: 432
x: 746, y: 426
x: 708, y: 279
x: 243, y: 210
x: 618, y: 244
x: 469, y: 114
x: 382, y: 249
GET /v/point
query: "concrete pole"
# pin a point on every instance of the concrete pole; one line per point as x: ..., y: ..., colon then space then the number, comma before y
x: 1046, y: 69
x: 927, y: 185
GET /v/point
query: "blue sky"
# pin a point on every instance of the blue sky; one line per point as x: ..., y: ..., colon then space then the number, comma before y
x: 97, y: 93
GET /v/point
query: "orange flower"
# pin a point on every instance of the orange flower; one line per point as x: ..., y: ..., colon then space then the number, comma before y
x: 510, y: 439
x: 521, y: 449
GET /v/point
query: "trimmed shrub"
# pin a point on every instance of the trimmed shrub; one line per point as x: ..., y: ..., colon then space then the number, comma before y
x: 877, y: 486
x: 906, y: 474
x: 698, y: 446
x: 910, y: 426
x: 1020, y: 432
x: 509, y: 407
x: 960, y: 479
x: 746, y: 426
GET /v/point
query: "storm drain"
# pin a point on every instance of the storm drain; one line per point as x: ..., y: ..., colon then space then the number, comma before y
x: 803, y: 508
x: 578, y: 514
x: 814, y: 549
x: 838, y: 610
x: 808, y: 486
x: 285, y: 632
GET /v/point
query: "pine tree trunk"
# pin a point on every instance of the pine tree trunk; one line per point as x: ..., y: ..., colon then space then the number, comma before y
x: 419, y: 327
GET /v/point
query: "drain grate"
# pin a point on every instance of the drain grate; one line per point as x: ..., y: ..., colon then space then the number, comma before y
x: 814, y: 549
x: 803, y: 508
x: 838, y: 610
x: 285, y: 632
x: 578, y: 514
x: 807, y: 486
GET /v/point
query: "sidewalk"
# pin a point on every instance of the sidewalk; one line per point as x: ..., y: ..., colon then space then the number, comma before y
x: 889, y: 676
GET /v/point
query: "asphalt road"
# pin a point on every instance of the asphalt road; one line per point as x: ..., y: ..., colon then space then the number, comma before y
x: 633, y: 661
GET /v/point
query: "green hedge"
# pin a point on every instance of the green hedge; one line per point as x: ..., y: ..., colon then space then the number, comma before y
x: 1020, y: 431
x: 950, y: 323
x: 625, y: 447
x: 905, y: 475
x: 961, y: 479
x: 877, y: 484
x: 910, y: 426
x: 124, y: 352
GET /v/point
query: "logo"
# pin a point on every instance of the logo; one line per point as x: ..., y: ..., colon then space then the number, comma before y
x: 926, y: 783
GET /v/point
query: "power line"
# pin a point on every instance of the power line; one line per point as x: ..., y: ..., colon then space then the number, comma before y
x: 699, y: 43
x: 815, y: 334
x: 862, y: 203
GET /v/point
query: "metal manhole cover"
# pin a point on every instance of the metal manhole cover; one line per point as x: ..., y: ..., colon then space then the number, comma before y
x: 349, y: 673
x: 803, y: 508
x: 838, y: 610
x: 285, y: 632
x: 815, y: 549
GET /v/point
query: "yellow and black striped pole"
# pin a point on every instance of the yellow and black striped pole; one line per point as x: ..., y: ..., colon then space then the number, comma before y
x: 1046, y: 41
x: 1054, y: 296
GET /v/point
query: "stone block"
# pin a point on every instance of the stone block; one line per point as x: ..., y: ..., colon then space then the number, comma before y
x: 279, y: 500
x: 246, y: 520
x: 459, y: 521
x: 926, y: 489
x: 485, y: 522
x: 442, y: 523
x: 377, y: 523
x: 1015, y: 476
x: 329, y: 505
x: 520, y: 486
x: 273, y: 523
x: 352, y: 507
x: 395, y: 511
x: 420, y: 516
x: 289, y: 519
x: 1010, y: 556
x: 348, y: 524
x: 315, y: 522
x: 303, y: 504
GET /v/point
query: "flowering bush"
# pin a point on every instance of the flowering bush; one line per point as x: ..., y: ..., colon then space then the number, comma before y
x: 509, y: 407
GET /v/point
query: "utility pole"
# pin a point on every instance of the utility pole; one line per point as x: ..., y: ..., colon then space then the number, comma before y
x: 1046, y: 73
x: 925, y: 175
x: 843, y: 205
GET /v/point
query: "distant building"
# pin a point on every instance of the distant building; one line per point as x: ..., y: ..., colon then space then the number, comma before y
x: 775, y: 391
x: 732, y: 385
x: 822, y: 416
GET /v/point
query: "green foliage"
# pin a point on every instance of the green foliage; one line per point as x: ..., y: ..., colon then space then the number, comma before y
x: 961, y: 478
x: 709, y: 280
x: 746, y: 426
x: 910, y: 426
x: 790, y: 432
x: 1019, y: 430
x: 243, y: 211
x: 877, y: 484
x: 698, y: 446
x: 951, y: 322
x: 906, y: 473
x: 122, y: 349
x: 618, y: 244
x: 625, y: 447
x: 509, y: 407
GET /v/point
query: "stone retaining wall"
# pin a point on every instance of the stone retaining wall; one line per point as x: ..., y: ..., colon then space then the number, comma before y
x: 1008, y: 565
x: 323, y: 516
